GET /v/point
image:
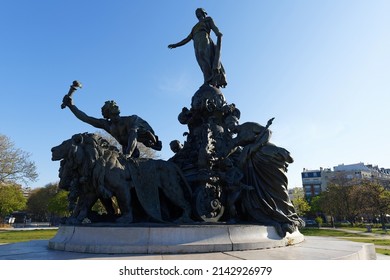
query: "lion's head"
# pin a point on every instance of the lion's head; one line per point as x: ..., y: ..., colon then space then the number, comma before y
x: 78, y: 156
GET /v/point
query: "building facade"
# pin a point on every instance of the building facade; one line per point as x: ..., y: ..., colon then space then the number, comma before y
x: 315, y: 181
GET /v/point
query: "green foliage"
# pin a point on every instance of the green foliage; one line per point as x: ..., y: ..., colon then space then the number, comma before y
x: 301, y: 206
x: 319, y: 221
x: 11, y: 199
x: 99, y: 208
x: 373, y: 199
x: 315, y: 204
x: 351, y: 200
x: 58, y: 204
x: 338, y: 201
x: 43, y: 203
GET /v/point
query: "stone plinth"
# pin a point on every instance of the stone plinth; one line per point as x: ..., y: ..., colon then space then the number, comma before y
x: 141, y: 239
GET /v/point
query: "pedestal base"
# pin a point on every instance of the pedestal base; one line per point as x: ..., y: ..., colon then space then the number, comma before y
x: 141, y: 239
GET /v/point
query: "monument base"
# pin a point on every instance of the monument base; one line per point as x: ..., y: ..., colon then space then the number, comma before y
x: 151, y: 239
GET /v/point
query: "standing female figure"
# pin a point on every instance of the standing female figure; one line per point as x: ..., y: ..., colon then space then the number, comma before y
x: 206, y: 52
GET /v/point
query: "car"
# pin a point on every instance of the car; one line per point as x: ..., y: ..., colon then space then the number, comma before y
x: 310, y: 223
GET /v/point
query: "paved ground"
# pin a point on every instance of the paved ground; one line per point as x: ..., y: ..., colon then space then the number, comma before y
x: 370, y: 235
x: 313, y: 248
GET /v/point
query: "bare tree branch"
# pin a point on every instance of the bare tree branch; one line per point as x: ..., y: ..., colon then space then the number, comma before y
x: 15, y: 165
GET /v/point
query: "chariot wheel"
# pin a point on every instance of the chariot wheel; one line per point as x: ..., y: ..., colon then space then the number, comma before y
x: 208, y: 203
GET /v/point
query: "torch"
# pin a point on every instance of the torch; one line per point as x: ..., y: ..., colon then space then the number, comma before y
x: 75, y: 85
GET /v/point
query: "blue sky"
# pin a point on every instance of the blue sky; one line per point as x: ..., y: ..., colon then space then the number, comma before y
x: 321, y: 68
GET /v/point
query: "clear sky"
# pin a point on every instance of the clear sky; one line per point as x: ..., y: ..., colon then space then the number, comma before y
x: 321, y: 68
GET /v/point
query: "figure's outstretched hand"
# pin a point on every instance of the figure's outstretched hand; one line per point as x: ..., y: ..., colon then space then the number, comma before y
x: 67, y: 101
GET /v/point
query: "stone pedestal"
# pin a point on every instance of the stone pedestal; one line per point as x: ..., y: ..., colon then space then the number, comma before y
x: 149, y: 239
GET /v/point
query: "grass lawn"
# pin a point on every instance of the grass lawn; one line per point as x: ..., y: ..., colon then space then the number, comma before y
x: 383, y: 251
x: 374, y: 230
x: 380, y: 242
x: 26, y: 235
x: 328, y: 232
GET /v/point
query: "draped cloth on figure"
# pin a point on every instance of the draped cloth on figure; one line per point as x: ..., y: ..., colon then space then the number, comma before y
x: 207, y: 53
x: 265, y: 169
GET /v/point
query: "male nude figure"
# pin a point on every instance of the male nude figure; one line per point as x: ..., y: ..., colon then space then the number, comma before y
x: 126, y: 130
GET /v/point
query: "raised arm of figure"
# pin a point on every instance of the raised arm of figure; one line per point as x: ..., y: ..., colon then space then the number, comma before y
x: 98, y: 123
x: 181, y: 43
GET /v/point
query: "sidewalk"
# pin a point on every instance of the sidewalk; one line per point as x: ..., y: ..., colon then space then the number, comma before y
x: 313, y: 248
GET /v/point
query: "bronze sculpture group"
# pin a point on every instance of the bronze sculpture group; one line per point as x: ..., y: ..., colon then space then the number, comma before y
x: 225, y: 172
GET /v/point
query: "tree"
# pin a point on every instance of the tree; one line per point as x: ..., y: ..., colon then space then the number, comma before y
x: 352, y: 199
x: 15, y: 166
x: 58, y: 204
x: 300, y: 203
x: 338, y: 200
x: 315, y: 205
x: 301, y: 206
x: 48, y: 204
x: 373, y: 199
x: 296, y: 192
x: 11, y: 199
x: 38, y: 202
